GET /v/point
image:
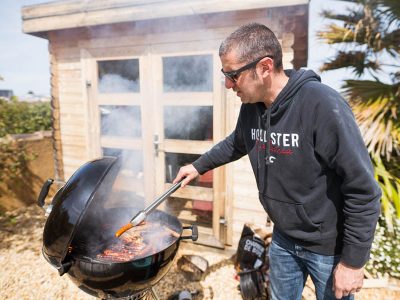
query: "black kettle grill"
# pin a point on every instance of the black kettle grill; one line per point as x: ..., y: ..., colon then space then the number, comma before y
x: 82, y: 219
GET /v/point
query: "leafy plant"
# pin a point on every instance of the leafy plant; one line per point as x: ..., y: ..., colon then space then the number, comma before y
x: 22, y: 117
x: 390, y: 186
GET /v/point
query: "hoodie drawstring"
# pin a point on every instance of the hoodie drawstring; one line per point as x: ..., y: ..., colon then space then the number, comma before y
x: 268, y: 128
x: 258, y: 150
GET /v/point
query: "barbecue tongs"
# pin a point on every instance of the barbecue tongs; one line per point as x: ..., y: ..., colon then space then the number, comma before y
x: 142, y: 215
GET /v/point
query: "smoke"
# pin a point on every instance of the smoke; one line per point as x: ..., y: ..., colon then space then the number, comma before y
x: 120, y: 120
x: 112, y: 83
x: 191, y: 73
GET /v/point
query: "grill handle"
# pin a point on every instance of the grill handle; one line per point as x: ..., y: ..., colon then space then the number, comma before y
x: 195, y: 233
x: 44, y: 191
x: 64, y: 268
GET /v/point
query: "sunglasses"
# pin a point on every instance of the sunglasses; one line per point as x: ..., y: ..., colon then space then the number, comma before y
x: 234, y: 75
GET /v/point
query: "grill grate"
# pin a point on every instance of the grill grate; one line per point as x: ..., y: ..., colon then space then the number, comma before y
x: 148, y: 294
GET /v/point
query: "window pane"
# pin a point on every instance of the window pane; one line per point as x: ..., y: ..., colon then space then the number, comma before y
x: 173, y: 161
x: 188, y: 73
x: 120, y: 120
x: 119, y: 76
x: 188, y: 122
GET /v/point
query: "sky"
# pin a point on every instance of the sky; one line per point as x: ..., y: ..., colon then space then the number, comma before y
x: 24, y: 59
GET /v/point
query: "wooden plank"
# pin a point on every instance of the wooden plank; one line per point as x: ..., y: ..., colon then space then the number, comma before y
x: 108, y: 49
x: 251, y: 204
x: 67, y: 48
x: 375, y: 283
x: 246, y: 179
x: 89, y: 74
x: 243, y: 190
x: 190, y: 217
x: 132, y: 99
x: 72, y: 109
x: 67, y: 7
x: 82, y: 155
x: 157, y: 42
x: 70, y: 75
x: 74, y: 162
x: 66, y: 89
x: 185, y: 146
x: 188, y: 99
x: 73, y: 149
x: 69, y: 66
x: 70, y: 7
x: 76, y: 97
x: 72, y: 119
x: 69, y: 81
x: 247, y: 215
x: 71, y: 130
x: 75, y: 139
x: 119, y: 142
x: 220, y: 220
x: 192, y: 192
x: 35, y: 21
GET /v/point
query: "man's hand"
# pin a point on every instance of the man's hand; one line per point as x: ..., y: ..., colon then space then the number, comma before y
x: 187, y: 171
x: 347, y: 280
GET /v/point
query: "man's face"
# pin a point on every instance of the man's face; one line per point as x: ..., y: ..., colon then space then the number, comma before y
x: 247, y: 85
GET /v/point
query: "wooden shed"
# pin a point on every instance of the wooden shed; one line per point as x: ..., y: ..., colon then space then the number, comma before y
x: 141, y: 79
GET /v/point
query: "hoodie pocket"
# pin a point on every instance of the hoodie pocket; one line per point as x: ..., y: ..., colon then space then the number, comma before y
x: 292, y: 219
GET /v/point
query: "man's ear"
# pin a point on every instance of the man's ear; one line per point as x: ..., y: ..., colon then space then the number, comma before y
x: 267, y: 66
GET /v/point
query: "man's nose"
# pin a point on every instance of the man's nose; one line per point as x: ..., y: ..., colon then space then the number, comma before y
x: 229, y: 83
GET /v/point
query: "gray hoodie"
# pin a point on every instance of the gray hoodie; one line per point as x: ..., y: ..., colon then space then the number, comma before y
x: 313, y: 172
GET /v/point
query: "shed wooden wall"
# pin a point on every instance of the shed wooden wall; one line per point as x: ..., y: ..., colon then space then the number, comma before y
x: 70, y: 97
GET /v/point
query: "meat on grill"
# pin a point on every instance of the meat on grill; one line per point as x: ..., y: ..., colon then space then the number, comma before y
x: 138, y: 242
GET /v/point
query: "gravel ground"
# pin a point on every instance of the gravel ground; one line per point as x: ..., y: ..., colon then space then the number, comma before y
x: 26, y: 275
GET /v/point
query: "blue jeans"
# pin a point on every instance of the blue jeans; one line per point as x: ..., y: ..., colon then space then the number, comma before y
x: 290, y: 265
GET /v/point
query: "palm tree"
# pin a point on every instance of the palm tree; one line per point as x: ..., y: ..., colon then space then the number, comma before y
x: 369, y: 44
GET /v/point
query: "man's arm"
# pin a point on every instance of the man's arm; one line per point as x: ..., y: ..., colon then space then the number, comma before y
x: 338, y: 141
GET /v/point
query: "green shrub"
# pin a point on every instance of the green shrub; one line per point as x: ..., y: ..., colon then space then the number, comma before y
x: 385, y: 253
x: 23, y: 117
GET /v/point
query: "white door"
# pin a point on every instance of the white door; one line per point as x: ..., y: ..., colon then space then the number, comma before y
x: 189, y: 114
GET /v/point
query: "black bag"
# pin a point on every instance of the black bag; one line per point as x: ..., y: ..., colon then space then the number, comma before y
x: 252, y: 265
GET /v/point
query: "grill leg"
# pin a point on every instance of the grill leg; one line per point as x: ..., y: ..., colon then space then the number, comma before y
x: 154, y: 294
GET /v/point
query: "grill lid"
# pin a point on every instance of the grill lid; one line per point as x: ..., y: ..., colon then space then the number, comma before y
x: 86, y: 187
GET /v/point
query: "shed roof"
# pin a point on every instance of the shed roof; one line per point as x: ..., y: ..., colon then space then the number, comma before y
x: 66, y: 14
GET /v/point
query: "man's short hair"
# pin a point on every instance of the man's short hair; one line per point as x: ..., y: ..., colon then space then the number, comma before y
x: 253, y: 41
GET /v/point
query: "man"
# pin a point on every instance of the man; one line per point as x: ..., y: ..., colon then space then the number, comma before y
x: 313, y: 172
